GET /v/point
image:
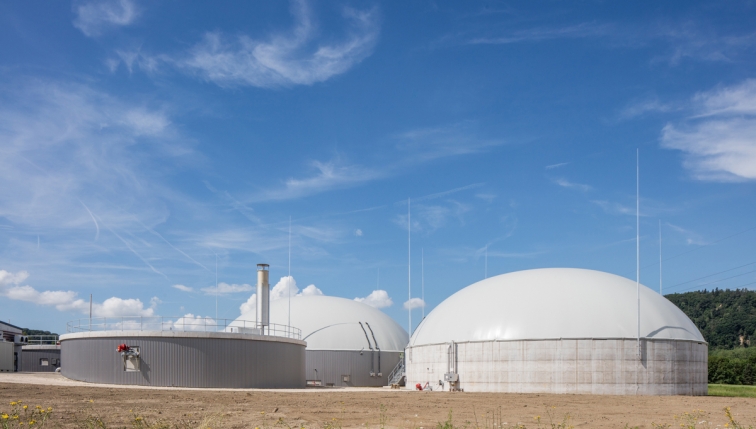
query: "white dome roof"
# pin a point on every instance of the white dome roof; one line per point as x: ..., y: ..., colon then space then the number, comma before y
x: 331, y: 323
x: 553, y: 303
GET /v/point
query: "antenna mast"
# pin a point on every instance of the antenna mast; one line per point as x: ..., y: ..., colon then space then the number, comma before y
x: 637, y: 239
x: 422, y: 277
x: 660, y: 260
x: 290, y: 279
x: 216, y: 288
x: 485, y: 271
x: 409, y: 265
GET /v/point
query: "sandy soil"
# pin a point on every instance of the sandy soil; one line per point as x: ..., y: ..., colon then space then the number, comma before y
x: 355, y: 407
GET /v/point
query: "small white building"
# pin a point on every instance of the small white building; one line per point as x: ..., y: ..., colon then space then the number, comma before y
x: 348, y: 343
x: 559, y: 330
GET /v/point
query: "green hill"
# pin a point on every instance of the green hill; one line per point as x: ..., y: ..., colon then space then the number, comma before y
x: 726, y: 318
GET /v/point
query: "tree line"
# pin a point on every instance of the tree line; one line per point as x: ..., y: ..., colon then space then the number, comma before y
x: 727, y: 320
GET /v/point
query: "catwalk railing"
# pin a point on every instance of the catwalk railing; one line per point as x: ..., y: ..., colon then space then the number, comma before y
x: 42, y: 340
x: 182, y: 324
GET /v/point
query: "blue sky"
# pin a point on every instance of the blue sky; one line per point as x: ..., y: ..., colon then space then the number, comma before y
x: 142, y: 141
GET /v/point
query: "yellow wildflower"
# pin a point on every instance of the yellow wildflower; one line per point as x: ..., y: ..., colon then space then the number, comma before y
x: 14, y: 403
x: 31, y: 422
x: 38, y: 407
x: 5, y: 416
x: 49, y: 408
x: 26, y: 406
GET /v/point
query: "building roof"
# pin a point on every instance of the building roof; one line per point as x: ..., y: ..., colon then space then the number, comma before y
x: 13, y: 328
x: 332, y: 323
x: 553, y: 303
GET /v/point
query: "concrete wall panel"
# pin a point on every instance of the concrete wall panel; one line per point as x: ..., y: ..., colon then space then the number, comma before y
x: 604, y: 366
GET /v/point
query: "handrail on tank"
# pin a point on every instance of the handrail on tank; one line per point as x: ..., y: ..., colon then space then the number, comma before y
x: 185, y: 324
x: 42, y: 339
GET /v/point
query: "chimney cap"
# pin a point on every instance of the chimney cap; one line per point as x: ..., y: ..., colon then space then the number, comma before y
x: 262, y: 266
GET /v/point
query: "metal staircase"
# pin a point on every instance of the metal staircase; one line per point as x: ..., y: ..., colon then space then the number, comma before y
x: 397, y: 376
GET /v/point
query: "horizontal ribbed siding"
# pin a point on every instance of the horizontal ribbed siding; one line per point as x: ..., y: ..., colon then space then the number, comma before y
x: 30, y: 360
x: 187, y: 362
x: 330, y: 365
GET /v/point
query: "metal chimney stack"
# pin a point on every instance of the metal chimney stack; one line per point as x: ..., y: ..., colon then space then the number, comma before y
x: 263, y: 297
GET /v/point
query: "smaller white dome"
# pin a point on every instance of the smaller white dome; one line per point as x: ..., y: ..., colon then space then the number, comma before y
x: 553, y: 303
x: 333, y: 323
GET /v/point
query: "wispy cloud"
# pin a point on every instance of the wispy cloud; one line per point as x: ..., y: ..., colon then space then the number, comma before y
x: 582, y: 30
x: 645, y: 105
x: 296, y: 58
x: 718, y: 140
x: 572, y: 185
x: 95, y: 17
x: 226, y: 289
x: 334, y: 174
x: 676, y: 41
x: 425, y: 144
x: 553, y: 166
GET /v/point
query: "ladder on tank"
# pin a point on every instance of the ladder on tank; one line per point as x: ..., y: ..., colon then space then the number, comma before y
x: 397, y: 376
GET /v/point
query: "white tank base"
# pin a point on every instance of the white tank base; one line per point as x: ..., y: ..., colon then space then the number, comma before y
x: 591, y: 366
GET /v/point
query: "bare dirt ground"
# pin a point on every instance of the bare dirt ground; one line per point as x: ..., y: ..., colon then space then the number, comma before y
x: 313, y: 408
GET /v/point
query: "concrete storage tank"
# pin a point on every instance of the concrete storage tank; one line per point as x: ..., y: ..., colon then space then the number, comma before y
x: 558, y: 330
x: 185, y: 352
x: 348, y: 343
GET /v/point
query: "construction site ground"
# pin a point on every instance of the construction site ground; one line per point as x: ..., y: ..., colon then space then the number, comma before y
x: 73, y: 401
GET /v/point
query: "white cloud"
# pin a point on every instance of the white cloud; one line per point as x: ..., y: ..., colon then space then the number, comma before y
x: 190, y: 322
x: 377, y: 298
x: 311, y: 290
x: 296, y: 58
x: 571, y: 185
x: 414, y: 303
x: 285, y: 287
x: 183, y: 288
x: 358, y: 232
x: 719, y: 142
x: 94, y: 17
x: 67, y: 301
x: 225, y: 289
x: 7, y: 278
x: 249, y: 306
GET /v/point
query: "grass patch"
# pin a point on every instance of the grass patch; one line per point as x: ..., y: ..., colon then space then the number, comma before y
x: 732, y: 390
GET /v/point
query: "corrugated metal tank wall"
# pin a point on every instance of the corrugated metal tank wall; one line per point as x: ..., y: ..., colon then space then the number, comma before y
x: 187, y: 361
x: 330, y: 367
x: 594, y: 366
x: 31, y: 358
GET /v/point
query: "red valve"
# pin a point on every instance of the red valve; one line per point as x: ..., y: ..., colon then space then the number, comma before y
x: 123, y: 348
x: 419, y: 386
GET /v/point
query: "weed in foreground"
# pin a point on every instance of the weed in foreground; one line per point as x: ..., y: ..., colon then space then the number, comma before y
x: 692, y: 420
x: 20, y: 415
x: 731, y: 423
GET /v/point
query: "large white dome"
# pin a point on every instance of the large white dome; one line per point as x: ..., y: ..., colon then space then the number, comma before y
x: 332, y: 323
x: 553, y: 303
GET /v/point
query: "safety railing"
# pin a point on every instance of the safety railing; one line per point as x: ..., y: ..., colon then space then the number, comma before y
x: 397, y: 373
x: 42, y: 340
x: 183, y: 324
